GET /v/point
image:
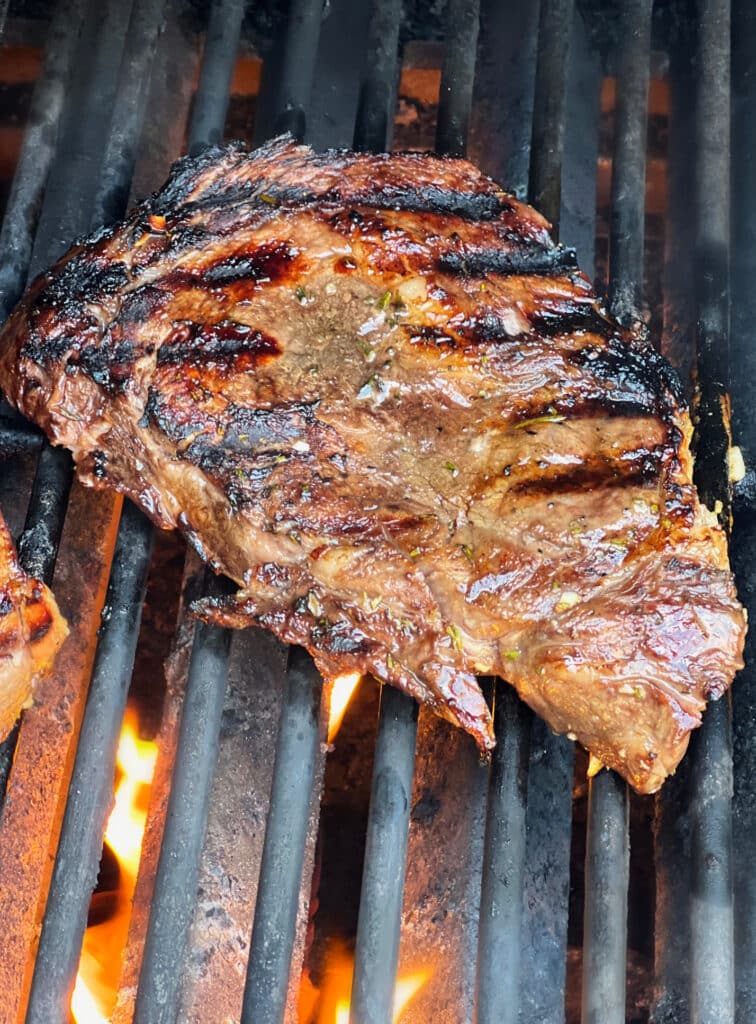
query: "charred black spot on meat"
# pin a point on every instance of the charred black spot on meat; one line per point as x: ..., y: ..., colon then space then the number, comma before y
x: 44, y: 350
x: 140, y: 304
x: 340, y: 638
x: 472, y: 206
x: 6, y: 603
x: 99, y: 464
x: 266, y: 264
x: 636, y: 377
x: 48, y: 347
x: 110, y: 364
x: 582, y: 317
x: 429, y: 336
x: 224, y: 343
x: 514, y: 262
x: 286, y: 422
x: 83, y: 279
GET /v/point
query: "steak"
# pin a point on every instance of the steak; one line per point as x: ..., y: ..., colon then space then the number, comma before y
x: 31, y: 631
x: 372, y: 391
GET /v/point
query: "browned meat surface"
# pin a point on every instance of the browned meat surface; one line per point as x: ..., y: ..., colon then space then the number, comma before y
x: 374, y: 392
x: 31, y: 631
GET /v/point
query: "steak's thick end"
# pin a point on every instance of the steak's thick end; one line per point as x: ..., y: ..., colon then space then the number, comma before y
x: 373, y: 392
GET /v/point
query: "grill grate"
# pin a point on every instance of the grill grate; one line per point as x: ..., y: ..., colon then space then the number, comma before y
x: 106, y: 98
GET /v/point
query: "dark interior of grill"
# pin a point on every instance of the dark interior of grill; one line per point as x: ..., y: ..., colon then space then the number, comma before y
x: 284, y: 877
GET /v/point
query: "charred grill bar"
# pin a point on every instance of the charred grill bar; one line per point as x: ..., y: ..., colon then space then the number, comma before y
x: 608, y: 852
x: 90, y: 126
x: 712, y: 986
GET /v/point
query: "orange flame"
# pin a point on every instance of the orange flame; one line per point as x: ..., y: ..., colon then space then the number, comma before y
x: 342, y: 690
x: 406, y: 988
x: 331, y: 1004
x: 96, y: 986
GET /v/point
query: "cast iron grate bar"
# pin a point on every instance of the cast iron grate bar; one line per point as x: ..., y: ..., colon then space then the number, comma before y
x: 501, y: 903
x: 280, y: 880
x: 80, y: 846
x: 743, y: 551
x: 174, y: 891
x: 16, y: 243
x: 607, y: 861
x: 377, y: 944
x: 379, y: 921
x: 375, y: 112
x: 712, y: 995
x: 37, y: 153
x: 218, y: 62
x: 298, y: 68
x: 549, y: 106
x: 67, y: 184
x: 275, y: 919
x: 75, y: 869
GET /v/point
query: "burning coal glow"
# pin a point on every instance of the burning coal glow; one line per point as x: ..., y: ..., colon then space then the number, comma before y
x: 96, y: 986
x: 342, y: 690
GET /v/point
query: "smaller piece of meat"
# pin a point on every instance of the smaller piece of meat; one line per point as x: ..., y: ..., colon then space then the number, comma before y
x: 31, y: 633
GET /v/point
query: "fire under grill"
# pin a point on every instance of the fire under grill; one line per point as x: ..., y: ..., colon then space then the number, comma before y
x: 475, y: 870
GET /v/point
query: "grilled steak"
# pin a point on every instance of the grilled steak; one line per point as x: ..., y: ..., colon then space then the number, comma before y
x: 31, y: 631
x: 373, y: 391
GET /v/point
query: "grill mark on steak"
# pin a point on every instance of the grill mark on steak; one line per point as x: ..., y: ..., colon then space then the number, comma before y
x: 447, y: 398
x: 508, y: 262
x: 268, y: 263
x: 237, y: 346
x: 581, y: 318
x: 635, y: 373
x: 81, y: 278
x: 470, y: 206
x: 640, y: 470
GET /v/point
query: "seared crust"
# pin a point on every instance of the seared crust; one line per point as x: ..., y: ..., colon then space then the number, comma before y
x: 374, y: 392
x: 31, y: 631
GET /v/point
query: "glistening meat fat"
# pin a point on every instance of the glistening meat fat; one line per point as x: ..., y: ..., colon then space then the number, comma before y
x: 373, y: 391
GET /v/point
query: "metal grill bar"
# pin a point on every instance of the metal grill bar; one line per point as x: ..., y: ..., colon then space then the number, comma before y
x: 37, y: 151
x: 547, y: 143
x: 80, y: 845
x: 457, y: 76
x: 128, y: 112
x: 295, y: 83
x: 211, y: 99
x: 283, y: 854
x: 274, y: 925
x: 377, y: 947
x: 743, y: 551
x: 175, y: 886
x: 84, y: 129
x: 375, y: 120
x: 499, y: 945
x: 607, y: 861
x: 712, y: 997
x: 175, y: 890
x: 672, y: 817
x: 89, y: 794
